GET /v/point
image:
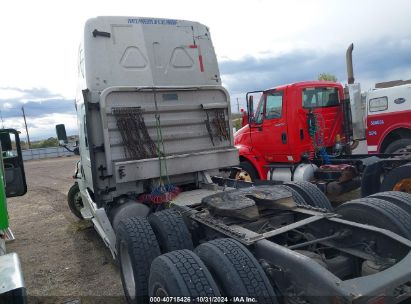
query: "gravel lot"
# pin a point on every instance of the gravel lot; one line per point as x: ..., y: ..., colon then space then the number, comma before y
x: 62, y: 257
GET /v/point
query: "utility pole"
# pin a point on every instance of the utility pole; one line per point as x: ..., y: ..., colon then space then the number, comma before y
x: 238, y: 106
x: 25, y: 124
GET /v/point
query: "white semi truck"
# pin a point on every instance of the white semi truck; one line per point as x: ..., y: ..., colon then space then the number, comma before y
x: 155, y: 127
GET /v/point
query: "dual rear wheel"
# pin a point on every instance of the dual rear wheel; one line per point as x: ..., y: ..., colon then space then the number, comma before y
x: 157, y: 260
x: 389, y: 210
x: 219, y: 268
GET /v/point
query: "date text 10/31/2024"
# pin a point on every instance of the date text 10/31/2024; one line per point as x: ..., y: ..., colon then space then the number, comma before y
x: 203, y: 300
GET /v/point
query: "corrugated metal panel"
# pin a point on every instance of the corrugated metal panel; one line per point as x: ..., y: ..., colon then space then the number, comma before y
x: 45, y: 153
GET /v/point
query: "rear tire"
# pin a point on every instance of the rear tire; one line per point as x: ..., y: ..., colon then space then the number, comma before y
x: 236, y: 270
x: 181, y: 273
x: 136, y: 247
x: 248, y: 173
x: 311, y: 194
x: 397, y: 145
x: 398, y: 179
x: 127, y: 210
x: 74, y: 201
x: 378, y: 213
x: 400, y: 199
x: 170, y: 230
x: 298, y: 199
x: 15, y: 296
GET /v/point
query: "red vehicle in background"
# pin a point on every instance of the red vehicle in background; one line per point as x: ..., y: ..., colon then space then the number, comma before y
x: 305, y: 132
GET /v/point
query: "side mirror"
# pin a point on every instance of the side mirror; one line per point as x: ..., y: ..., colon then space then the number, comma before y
x: 11, y: 158
x: 250, y: 106
x: 5, y: 141
x: 61, y: 133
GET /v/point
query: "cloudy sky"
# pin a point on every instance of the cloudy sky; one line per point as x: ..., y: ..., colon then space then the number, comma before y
x: 259, y: 44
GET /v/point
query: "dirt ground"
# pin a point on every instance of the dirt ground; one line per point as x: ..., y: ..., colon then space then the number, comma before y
x: 63, y: 259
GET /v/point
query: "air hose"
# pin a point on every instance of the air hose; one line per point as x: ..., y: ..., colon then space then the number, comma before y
x: 164, y: 192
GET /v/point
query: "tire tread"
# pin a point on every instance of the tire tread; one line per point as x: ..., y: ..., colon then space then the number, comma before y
x: 400, y: 220
x: 312, y: 195
x: 188, y: 270
x: 139, y: 235
x: 174, y: 232
x: 243, y: 264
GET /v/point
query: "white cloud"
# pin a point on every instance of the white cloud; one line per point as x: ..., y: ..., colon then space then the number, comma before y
x: 40, y: 42
x: 7, y: 105
x: 6, y: 93
x: 41, y: 127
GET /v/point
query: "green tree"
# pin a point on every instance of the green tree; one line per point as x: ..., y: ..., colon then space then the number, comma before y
x: 49, y: 142
x: 237, y: 123
x: 327, y: 77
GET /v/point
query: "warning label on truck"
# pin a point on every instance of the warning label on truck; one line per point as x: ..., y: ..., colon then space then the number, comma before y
x: 152, y: 21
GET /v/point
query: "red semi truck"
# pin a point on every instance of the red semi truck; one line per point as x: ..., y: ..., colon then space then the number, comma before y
x: 279, y: 131
x: 306, y: 131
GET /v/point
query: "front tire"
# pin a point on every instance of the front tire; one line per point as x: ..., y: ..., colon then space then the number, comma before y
x: 396, y: 146
x: 74, y: 201
x: 247, y: 173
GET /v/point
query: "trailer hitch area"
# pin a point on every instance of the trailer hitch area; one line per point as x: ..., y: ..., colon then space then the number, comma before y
x: 339, y: 172
x: 335, y: 236
x: 247, y: 203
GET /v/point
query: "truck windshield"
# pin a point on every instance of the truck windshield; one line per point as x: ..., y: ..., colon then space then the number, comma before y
x: 320, y: 97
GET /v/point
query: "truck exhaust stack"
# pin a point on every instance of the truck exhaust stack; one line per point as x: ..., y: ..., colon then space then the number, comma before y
x: 350, y: 69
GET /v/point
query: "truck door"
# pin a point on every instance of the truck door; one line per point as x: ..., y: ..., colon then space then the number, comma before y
x: 271, y: 136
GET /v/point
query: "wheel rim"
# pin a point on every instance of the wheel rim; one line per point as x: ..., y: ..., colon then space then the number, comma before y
x: 403, y: 185
x: 161, y: 292
x: 400, y: 151
x: 127, y: 270
x: 78, y: 202
x: 243, y: 176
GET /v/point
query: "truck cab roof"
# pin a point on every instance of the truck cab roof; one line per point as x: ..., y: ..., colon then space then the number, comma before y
x: 130, y: 51
x: 305, y: 84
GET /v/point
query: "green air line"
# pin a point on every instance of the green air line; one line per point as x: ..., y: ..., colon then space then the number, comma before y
x: 4, y: 218
x: 161, y: 151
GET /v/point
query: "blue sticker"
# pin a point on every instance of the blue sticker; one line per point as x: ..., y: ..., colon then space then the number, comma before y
x: 372, y: 133
x: 376, y: 122
x: 152, y: 21
x: 399, y: 100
